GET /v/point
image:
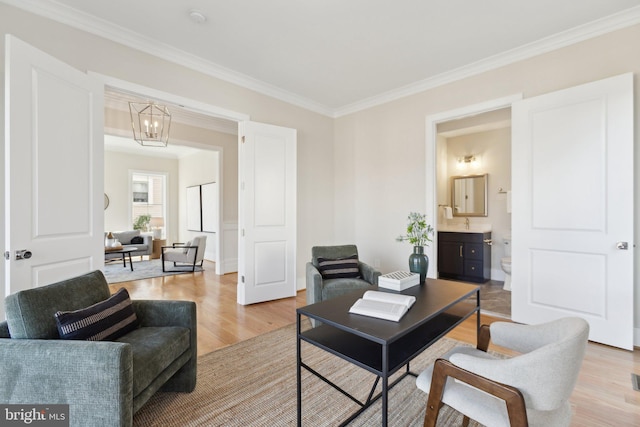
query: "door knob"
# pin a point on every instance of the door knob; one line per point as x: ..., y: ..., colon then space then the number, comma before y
x: 622, y: 246
x: 23, y: 254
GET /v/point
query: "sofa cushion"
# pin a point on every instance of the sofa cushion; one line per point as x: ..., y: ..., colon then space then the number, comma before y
x: 4, y: 330
x: 341, y: 268
x: 31, y: 313
x: 153, y: 350
x: 125, y: 237
x: 104, y: 321
x: 338, y: 287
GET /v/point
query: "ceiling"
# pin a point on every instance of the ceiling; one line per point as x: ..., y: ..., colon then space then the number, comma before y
x: 117, y: 100
x: 337, y: 56
x: 129, y: 146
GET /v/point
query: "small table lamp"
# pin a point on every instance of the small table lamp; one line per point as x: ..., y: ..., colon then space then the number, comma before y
x: 156, y: 225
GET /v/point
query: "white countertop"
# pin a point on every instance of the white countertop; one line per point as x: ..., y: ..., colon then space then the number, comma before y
x: 461, y: 228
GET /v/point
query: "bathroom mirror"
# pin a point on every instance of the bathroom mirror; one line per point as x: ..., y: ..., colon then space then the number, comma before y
x: 469, y: 195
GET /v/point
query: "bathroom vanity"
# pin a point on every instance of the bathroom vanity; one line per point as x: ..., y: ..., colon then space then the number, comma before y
x: 464, y: 255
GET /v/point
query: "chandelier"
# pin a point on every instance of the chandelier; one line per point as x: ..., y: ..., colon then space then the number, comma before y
x: 150, y: 123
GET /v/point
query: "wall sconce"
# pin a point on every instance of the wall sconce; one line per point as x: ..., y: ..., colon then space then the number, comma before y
x: 469, y: 161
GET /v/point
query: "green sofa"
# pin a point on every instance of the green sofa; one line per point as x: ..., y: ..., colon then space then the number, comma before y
x: 104, y: 383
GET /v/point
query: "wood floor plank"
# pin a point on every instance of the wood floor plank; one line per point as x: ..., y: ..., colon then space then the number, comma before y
x: 603, y: 395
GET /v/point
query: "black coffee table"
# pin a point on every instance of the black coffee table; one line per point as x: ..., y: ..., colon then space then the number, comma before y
x: 383, y: 347
x: 124, y: 251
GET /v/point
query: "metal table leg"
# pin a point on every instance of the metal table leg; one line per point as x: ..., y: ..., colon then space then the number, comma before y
x: 299, y: 370
x: 385, y: 384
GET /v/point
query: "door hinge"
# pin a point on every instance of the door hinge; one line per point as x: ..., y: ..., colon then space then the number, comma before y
x: 243, y: 139
x: 242, y: 279
x: 242, y: 232
x: 7, y: 255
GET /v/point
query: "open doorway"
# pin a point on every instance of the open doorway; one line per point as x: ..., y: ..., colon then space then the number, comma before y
x: 468, y: 145
x: 202, y: 150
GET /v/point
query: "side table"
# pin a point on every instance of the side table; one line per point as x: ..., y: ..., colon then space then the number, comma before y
x: 157, y: 247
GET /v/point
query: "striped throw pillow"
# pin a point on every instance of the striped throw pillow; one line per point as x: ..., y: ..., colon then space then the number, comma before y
x: 342, y: 268
x: 103, y: 321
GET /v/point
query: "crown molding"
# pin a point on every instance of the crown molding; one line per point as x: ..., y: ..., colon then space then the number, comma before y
x: 61, y: 13
x: 578, y: 34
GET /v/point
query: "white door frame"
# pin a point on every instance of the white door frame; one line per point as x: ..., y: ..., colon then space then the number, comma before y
x: 195, y: 106
x: 431, y: 160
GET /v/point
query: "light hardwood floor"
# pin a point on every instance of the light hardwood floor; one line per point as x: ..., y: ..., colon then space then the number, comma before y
x: 603, y: 395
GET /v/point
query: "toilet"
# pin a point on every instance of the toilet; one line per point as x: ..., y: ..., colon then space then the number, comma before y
x: 505, y: 263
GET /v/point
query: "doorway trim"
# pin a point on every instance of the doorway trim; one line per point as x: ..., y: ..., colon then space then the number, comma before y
x: 431, y: 160
x: 192, y: 105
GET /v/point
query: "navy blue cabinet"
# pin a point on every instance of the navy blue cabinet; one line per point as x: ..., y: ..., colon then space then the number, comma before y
x: 464, y: 256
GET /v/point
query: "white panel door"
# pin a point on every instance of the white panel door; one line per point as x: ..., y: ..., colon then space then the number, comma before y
x: 573, y: 208
x: 54, y: 169
x: 267, y: 213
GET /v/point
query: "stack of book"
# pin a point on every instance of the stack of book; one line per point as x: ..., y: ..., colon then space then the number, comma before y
x: 398, y: 280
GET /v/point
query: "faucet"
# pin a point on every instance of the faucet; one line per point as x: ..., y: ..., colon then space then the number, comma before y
x: 466, y: 223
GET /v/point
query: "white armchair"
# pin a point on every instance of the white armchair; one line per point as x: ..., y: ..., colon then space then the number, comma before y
x: 530, y: 389
x: 188, y: 255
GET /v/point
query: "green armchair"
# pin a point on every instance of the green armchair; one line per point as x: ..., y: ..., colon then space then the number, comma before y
x: 103, y: 382
x: 321, y: 288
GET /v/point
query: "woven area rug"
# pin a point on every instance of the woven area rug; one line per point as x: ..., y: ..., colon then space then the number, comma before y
x: 115, y: 272
x: 253, y: 383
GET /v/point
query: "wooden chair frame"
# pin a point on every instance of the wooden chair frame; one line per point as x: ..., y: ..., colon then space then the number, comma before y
x: 443, y: 369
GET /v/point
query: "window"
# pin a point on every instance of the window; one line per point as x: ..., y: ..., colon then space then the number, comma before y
x: 140, y: 192
x: 148, y: 200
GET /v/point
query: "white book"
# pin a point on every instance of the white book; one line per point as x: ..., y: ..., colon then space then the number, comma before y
x: 383, y: 305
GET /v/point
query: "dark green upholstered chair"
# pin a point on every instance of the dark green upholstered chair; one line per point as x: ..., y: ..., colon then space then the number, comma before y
x: 320, y: 288
x: 103, y: 382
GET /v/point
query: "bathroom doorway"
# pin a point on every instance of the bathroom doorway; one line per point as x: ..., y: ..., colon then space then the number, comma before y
x: 471, y: 142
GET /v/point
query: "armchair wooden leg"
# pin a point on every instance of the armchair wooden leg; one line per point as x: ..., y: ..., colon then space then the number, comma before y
x: 484, y: 337
x: 434, y: 401
x: 465, y: 421
x: 431, y: 416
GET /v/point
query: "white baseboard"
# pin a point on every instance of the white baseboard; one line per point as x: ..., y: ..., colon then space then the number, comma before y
x: 230, y: 265
x: 210, y: 255
x: 301, y: 283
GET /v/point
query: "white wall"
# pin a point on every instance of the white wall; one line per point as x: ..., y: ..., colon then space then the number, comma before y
x: 383, y: 147
x: 116, y: 185
x: 196, y: 169
x: 492, y: 149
